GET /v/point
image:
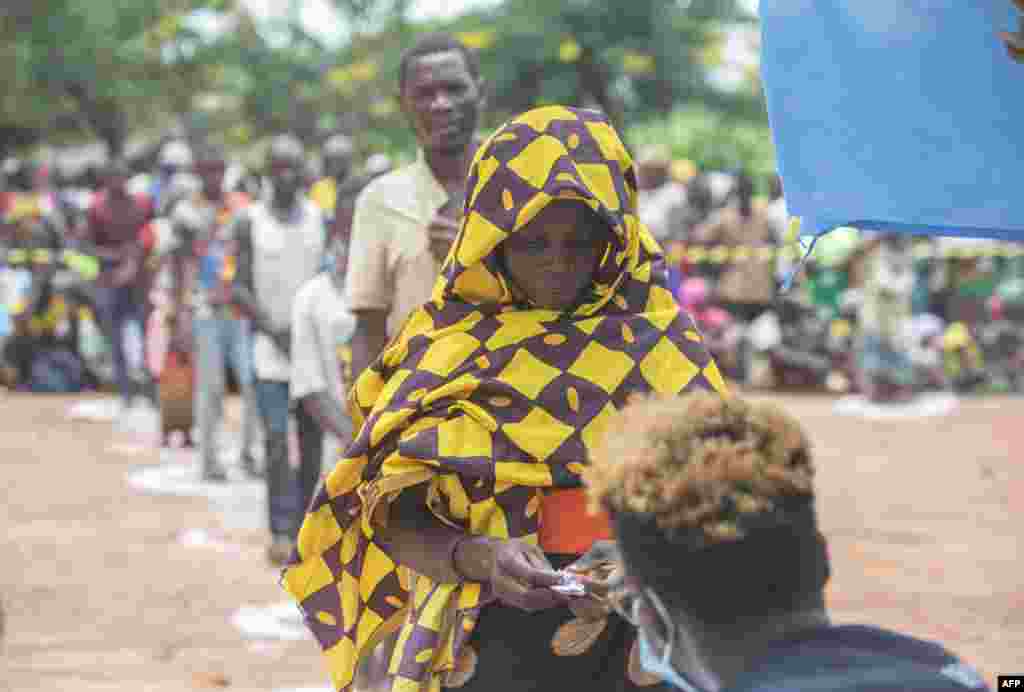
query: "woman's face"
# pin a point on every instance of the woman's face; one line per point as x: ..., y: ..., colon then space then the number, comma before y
x: 552, y: 260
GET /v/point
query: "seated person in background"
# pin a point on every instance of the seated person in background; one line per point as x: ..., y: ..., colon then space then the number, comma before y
x: 712, y: 503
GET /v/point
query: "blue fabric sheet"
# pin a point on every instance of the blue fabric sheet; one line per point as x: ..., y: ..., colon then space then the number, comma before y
x: 897, y: 115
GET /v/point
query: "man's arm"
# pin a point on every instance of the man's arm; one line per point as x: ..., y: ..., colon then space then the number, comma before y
x: 309, y: 378
x: 369, y: 283
x: 184, y: 243
x: 243, y: 293
x: 369, y: 339
x: 328, y: 415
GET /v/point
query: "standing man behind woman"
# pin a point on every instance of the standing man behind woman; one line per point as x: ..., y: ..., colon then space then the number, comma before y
x: 280, y: 246
x: 400, y: 233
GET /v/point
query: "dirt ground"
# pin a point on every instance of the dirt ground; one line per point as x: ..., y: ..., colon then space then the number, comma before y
x: 924, y: 518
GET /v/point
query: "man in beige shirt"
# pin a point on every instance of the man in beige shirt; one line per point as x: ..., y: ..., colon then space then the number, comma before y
x: 403, y: 223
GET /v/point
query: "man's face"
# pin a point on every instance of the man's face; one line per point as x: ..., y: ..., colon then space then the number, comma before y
x: 442, y: 101
x: 286, y: 177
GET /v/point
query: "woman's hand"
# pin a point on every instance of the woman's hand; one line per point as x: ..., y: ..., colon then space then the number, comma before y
x: 518, y: 573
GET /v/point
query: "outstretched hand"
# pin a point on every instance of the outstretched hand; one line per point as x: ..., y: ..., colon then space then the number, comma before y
x: 518, y: 573
x: 600, y: 570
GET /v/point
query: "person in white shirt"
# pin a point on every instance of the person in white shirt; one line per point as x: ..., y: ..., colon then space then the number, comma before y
x: 280, y: 246
x: 322, y: 328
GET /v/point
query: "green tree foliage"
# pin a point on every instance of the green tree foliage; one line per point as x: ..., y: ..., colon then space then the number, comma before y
x: 104, y: 66
x: 124, y: 65
x: 634, y: 59
x: 711, y: 139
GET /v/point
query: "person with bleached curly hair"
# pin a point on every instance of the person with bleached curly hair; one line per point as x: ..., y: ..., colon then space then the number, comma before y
x: 713, y: 507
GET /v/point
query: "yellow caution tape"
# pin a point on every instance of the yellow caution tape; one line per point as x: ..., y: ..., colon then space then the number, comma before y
x: 793, y: 232
x: 720, y: 254
x: 729, y: 254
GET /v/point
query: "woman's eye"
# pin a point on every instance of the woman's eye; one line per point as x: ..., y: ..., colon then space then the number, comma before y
x: 531, y: 245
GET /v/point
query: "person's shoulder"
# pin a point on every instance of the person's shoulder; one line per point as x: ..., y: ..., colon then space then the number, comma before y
x: 869, y: 659
x: 391, y: 188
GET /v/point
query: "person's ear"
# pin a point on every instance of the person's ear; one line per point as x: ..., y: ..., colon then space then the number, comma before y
x: 403, y: 102
x: 408, y: 112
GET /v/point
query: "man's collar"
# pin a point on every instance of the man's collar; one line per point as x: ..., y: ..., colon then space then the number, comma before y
x: 426, y: 174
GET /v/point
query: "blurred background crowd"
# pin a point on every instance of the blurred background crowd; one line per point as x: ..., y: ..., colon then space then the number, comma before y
x: 911, y: 313
x: 139, y: 85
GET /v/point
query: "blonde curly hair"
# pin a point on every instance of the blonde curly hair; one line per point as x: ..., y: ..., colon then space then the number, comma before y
x: 702, y: 466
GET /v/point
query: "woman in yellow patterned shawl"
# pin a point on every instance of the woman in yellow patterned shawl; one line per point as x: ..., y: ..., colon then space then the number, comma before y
x: 460, y: 497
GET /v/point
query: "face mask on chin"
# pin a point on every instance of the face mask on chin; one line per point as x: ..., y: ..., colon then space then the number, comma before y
x: 656, y: 657
x: 662, y: 665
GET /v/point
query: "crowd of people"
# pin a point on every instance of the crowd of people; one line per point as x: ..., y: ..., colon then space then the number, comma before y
x: 886, y: 315
x: 182, y: 269
x: 461, y: 332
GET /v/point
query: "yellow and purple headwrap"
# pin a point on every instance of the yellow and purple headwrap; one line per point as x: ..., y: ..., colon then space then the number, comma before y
x: 489, y: 401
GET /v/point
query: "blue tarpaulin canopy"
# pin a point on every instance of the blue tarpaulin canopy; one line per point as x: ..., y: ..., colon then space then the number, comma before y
x: 897, y: 115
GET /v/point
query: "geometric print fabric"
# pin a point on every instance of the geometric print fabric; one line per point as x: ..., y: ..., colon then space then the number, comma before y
x: 489, y: 401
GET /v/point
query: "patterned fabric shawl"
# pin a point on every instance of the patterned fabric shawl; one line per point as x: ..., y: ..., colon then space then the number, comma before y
x: 490, y: 401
